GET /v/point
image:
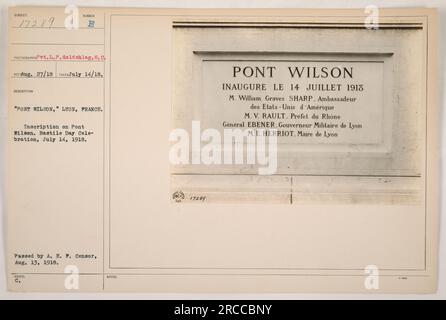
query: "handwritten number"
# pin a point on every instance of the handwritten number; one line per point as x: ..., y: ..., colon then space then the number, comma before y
x: 26, y: 23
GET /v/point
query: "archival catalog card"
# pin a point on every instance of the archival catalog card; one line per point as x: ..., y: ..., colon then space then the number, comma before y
x: 263, y: 150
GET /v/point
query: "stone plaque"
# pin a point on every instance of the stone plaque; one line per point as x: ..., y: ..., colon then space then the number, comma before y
x: 349, y: 108
x: 306, y: 101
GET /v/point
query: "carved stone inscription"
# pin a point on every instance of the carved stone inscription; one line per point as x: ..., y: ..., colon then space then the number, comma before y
x: 305, y: 101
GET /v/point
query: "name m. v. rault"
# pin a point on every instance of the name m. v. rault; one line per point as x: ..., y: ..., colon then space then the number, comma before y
x: 311, y: 72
